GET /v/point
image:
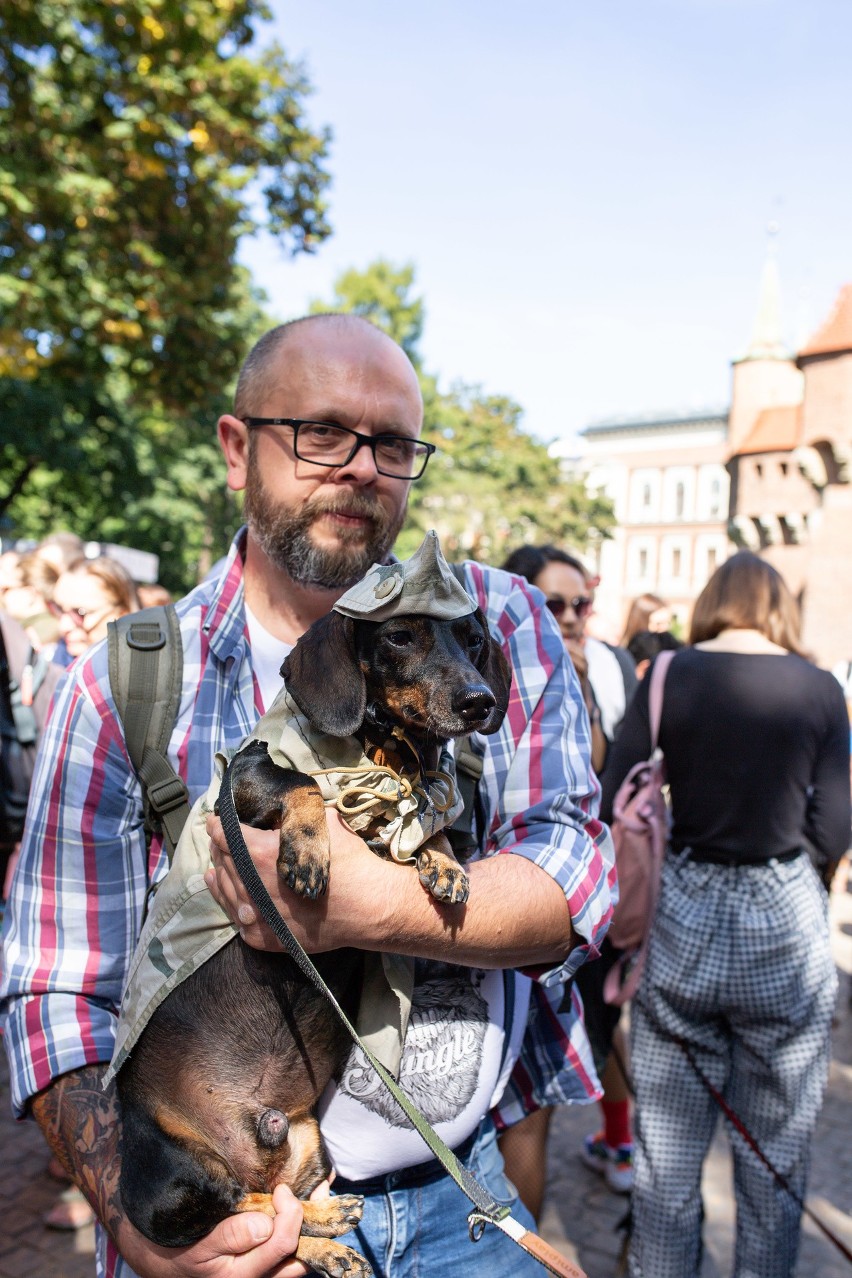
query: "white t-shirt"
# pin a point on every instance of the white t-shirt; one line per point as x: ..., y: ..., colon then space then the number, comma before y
x: 454, y: 1069
x: 267, y: 657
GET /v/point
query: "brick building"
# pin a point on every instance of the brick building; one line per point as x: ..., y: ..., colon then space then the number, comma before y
x: 771, y: 474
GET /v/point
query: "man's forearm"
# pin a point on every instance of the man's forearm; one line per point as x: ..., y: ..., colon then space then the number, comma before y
x: 516, y: 916
x: 80, y: 1121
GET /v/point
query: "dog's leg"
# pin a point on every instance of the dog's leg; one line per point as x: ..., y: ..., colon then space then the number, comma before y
x: 441, y: 873
x: 267, y: 796
x: 324, y: 1220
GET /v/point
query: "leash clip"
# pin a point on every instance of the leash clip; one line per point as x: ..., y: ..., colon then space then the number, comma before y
x: 478, y: 1219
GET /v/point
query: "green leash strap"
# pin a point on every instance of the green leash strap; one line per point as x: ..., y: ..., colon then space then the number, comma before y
x: 485, y: 1210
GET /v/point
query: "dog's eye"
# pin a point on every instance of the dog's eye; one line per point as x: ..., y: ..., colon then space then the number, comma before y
x: 475, y: 642
x: 399, y: 638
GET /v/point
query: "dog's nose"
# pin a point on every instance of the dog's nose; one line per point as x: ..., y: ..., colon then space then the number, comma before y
x: 474, y: 704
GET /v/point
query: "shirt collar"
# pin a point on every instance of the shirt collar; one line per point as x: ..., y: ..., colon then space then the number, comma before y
x: 225, y: 622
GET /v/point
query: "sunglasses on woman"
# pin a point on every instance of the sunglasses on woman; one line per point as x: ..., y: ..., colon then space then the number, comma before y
x: 581, y: 604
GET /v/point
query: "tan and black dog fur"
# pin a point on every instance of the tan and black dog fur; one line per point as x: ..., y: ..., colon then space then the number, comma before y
x: 218, y: 1095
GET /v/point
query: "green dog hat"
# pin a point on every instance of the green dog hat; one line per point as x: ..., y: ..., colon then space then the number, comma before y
x: 424, y: 584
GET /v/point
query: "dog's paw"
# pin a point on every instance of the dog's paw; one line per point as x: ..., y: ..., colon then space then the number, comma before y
x: 444, y: 878
x: 332, y: 1259
x: 328, y: 1217
x: 305, y: 872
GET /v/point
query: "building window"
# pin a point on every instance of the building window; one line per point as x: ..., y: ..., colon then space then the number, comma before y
x: 758, y: 470
x: 680, y: 496
x: 712, y: 559
x: 784, y: 468
x: 715, y: 495
x: 643, y: 563
x: 677, y: 562
x: 646, y: 496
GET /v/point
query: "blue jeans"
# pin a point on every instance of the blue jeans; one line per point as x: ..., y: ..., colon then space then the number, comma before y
x: 420, y: 1230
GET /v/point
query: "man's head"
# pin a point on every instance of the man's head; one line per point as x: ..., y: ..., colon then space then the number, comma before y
x: 324, y: 525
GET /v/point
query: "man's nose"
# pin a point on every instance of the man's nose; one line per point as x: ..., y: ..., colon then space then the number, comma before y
x: 362, y: 464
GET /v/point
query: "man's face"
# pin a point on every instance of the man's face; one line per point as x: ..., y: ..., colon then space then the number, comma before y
x: 325, y: 526
x: 562, y: 585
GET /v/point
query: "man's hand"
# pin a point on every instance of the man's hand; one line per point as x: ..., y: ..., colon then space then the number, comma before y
x: 249, y: 1245
x: 516, y: 915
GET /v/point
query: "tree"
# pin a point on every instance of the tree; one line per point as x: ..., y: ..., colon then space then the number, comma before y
x: 139, y: 141
x: 490, y: 486
x: 381, y: 294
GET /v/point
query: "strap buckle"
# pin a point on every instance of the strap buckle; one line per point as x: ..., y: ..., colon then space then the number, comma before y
x: 166, y: 795
x: 478, y: 1219
x: 146, y: 637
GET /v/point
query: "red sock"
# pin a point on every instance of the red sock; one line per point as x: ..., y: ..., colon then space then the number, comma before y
x: 617, y: 1130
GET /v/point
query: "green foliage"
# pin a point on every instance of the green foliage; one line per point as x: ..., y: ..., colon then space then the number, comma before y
x: 139, y: 141
x: 490, y: 486
x: 381, y: 294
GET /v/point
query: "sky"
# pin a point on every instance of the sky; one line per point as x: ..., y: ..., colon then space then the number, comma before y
x: 583, y: 190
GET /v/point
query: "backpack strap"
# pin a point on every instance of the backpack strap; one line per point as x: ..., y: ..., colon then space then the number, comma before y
x: 146, y: 679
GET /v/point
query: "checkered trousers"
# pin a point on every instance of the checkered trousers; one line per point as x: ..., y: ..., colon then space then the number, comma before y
x: 739, y: 966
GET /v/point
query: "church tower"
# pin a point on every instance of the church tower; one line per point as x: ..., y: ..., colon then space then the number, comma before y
x: 765, y: 376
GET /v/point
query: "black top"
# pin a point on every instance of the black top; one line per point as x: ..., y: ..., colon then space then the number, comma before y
x: 757, y: 754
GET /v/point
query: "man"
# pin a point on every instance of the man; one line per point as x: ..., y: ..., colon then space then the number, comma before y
x: 314, y: 527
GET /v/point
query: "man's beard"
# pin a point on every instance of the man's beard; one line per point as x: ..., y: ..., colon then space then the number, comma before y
x: 284, y: 535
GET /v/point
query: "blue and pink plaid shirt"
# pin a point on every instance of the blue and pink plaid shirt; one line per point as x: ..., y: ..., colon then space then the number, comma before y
x: 78, y: 898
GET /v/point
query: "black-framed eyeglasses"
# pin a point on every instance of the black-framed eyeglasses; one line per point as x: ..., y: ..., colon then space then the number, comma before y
x: 582, y: 605
x: 327, y: 444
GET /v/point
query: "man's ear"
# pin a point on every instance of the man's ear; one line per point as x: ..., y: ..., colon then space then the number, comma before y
x: 233, y: 440
x: 323, y: 676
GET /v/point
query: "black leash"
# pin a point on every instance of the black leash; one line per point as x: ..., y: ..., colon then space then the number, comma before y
x: 485, y: 1210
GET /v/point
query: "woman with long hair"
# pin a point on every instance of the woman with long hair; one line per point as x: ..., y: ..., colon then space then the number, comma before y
x: 739, y: 985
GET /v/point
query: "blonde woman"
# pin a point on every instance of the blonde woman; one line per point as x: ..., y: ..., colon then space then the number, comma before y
x: 89, y: 595
x: 739, y: 982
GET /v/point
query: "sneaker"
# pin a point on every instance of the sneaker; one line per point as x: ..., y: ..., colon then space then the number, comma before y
x: 615, y: 1165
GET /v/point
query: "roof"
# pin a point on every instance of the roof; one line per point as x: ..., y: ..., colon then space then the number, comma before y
x: 835, y: 335
x: 657, y: 422
x: 776, y: 430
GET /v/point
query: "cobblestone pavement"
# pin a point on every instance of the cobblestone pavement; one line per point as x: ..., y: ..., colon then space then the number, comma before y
x: 581, y: 1217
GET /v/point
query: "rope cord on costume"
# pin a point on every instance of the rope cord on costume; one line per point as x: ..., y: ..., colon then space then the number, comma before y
x: 373, y: 797
x: 486, y: 1210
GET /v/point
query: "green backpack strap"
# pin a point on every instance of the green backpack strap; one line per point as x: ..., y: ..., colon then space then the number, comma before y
x: 469, y: 765
x: 146, y: 678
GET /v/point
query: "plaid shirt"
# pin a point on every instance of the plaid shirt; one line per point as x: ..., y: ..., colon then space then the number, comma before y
x: 78, y: 897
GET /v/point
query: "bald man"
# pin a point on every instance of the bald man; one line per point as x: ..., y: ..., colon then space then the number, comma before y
x: 324, y: 441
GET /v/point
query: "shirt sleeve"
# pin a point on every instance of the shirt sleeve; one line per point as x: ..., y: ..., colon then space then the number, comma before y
x: 541, y: 793
x: 78, y: 895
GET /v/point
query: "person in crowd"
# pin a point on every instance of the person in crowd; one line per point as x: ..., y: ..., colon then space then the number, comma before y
x: 152, y: 593
x: 60, y: 549
x: 30, y: 602
x: 646, y: 612
x: 569, y: 596
x: 10, y: 573
x: 89, y: 595
x: 326, y: 488
x: 738, y: 990
x: 647, y: 644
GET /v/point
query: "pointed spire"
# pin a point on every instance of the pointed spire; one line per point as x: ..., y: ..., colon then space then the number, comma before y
x: 766, y: 341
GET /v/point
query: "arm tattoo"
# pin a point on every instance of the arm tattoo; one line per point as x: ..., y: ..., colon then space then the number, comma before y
x: 81, y: 1123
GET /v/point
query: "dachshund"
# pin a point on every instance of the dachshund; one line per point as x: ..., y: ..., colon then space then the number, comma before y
x: 218, y: 1094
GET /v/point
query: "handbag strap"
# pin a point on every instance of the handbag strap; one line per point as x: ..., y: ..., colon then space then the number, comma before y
x: 655, y: 694
x: 485, y: 1210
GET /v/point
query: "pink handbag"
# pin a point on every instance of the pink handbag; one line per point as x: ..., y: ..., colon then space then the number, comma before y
x: 640, y: 825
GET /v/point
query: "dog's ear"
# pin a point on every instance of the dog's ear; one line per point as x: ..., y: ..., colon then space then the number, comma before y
x: 497, y: 672
x: 323, y: 677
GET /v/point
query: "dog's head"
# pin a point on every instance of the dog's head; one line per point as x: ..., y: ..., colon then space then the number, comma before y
x: 437, y: 679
